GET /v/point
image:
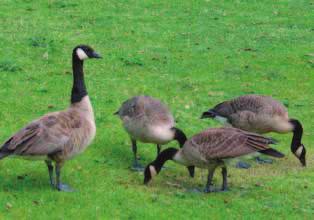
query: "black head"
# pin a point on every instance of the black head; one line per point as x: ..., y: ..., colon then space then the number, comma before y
x: 208, y: 114
x: 83, y: 52
x: 154, y: 167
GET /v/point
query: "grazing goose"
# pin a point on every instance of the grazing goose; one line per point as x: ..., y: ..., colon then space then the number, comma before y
x: 211, y: 149
x: 58, y: 136
x: 148, y: 120
x: 260, y: 114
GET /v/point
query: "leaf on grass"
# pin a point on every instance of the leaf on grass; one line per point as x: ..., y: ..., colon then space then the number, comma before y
x: 249, y: 49
x: 8, y: 206
x: 174, y: 184
x: 310, y: 55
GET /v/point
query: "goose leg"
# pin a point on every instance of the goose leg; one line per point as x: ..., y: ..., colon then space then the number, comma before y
x: 224, y: 179
x: 60, y: 186
x: 136, y: 165
x: 209, y: 185
x: 50, y: 171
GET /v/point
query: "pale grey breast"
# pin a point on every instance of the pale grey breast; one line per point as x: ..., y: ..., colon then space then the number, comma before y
x: 147, y: 119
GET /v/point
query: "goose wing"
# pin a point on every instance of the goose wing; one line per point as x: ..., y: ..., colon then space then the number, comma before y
x: 250, y: 104
x: 44, y: 136
x: 223, y: 143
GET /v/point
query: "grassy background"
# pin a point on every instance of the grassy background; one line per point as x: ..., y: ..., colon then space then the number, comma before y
x: 191, y: 56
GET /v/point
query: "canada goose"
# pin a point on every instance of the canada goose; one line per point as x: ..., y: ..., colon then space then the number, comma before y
x: 260, y: 114
x: 148, y: 120
x: 210, y: 149
x: 59, y: 136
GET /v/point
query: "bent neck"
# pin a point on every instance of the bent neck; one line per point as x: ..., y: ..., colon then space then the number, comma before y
x: 297, y: 134
x: 163, y: 157
x: 179, y: 136
x: 79, y: 88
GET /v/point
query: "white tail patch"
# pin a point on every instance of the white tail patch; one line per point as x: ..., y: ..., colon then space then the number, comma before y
x: 299, y: 151
x: 152, y: 170
x: 81, y: 54
x: 162, y: 134
x: 281, y: 125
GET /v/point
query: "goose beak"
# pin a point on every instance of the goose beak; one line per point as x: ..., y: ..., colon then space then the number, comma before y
x: 191, y: 170
x: 207, y: 114
x: 96, y: 55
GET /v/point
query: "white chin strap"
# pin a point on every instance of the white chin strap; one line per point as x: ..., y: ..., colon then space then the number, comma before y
x: 299, y: 151
x: 81, y: 54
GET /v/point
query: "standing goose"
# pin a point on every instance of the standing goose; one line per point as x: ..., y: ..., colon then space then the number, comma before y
x: 211, y: 149
x: 59, y: 136
x: 260, y: 114
x: 148, y: 120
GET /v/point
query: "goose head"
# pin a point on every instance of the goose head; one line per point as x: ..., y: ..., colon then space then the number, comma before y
x: 83, y: 52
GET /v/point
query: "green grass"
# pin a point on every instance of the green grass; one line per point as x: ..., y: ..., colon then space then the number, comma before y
x: 189, y: 55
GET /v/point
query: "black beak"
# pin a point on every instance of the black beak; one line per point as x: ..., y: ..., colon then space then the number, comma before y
x: 191, y: 171
x: 95, y: 55
x: 208, y: 114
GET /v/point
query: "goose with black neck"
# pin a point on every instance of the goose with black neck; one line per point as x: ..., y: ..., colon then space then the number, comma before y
x: 260, y: 114
x: 211, y: 149
x: 58, y: 136
x: 148, y: 120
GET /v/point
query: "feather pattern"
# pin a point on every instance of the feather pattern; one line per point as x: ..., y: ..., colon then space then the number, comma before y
x: 147, y: 119
x: 221, y: 143
x: 255, y: 113
x: 66, y: 133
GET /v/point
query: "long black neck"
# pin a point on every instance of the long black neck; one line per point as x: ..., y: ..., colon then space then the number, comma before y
x: 179, y: 136
x: 162, y: 158
x: 79, y: 88
x: 297, y: 134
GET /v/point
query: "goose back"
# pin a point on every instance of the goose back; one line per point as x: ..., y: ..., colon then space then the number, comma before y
x: 216, y: 144
x: 255, y: 113
x: 147, y: 119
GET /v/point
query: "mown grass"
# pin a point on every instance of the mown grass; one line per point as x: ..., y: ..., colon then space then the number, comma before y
x: 191, y: 55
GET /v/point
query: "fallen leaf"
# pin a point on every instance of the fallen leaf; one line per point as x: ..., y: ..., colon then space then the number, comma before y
x: 174, y: 184
x: 46, y: 55
x: 8, y: 205
x: 248, y: 49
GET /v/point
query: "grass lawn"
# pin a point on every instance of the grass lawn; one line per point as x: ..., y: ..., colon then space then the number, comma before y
x: 189, y: 55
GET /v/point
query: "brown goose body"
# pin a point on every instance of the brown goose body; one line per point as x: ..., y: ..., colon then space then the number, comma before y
x: 147, y: 119
x: 260, y: 114
x: 255, y: 113
x: 213, y: 148
x: 220, y: 144
x: 58, y: 136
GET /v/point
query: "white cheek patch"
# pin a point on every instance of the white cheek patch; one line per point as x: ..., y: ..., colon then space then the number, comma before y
x: 153, y: 171
x: 222, y: 120
x: 299, y: 151
x: 81, y: 54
